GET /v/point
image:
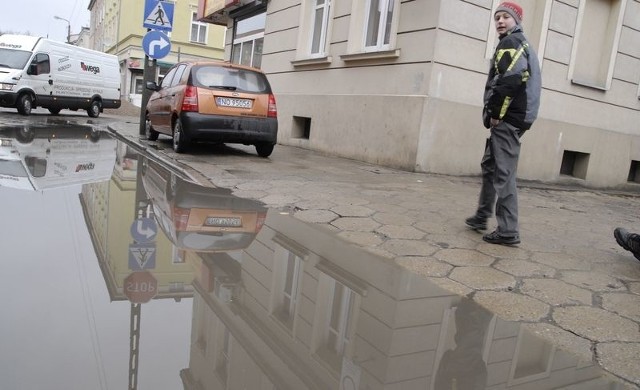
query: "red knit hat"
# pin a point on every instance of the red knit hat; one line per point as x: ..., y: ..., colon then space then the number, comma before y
x: 512, y: 9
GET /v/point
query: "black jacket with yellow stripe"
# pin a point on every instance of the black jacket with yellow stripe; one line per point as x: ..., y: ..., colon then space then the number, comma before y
x: 512, y: 92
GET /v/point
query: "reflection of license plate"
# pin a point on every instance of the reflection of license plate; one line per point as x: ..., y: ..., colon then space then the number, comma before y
x: 229, y: 102
x: 223, y: 221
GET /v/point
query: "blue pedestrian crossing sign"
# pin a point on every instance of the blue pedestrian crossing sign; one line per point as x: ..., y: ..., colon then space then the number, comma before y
x: 156, y: 44
x: 158, y: 15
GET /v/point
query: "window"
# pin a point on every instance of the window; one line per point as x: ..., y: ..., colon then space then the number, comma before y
x: 320, y: 26
x: 248, y: 41
x: 166, y: 81
x: 596, y: 42
x: 198, y: 29
x: 338, y: 332
x: 378, y: 27
x: 288, y: 271
x: 41, y: 62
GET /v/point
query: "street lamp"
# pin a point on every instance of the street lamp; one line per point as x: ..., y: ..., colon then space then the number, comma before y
x: 68, y: 27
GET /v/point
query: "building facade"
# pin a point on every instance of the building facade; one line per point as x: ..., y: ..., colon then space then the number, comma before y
x: 117, y: 28
x: 400, y: 83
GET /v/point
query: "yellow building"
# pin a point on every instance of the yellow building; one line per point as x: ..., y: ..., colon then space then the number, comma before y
x: 117, y: 28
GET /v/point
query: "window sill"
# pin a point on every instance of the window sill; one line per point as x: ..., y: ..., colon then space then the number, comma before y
x: 374, y: 55
x: 589, y: 85
x: 326, y: 60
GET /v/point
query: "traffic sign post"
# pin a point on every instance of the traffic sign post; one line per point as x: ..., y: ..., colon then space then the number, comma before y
x: 140, y: 287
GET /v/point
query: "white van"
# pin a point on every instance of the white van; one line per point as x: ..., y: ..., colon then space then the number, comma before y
x: 41, y: 157
x: 39, y: 72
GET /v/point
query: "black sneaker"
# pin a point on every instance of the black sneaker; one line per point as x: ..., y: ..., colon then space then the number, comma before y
x: 628, y: 241
x: 476, y: 223
x: 497, y: 238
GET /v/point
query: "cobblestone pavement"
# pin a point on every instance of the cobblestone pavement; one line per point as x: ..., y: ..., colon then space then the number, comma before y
x: 568, y: 278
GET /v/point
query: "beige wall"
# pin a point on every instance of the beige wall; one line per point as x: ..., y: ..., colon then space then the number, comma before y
x: 418, y: 107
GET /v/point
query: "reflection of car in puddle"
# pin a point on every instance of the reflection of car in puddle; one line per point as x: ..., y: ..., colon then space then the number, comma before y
x: 199, y: 218
x: 40, y: 157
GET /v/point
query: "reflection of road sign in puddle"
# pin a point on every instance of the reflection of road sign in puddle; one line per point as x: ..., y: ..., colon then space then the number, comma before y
x: 142, y: 256
x: 144, y: 230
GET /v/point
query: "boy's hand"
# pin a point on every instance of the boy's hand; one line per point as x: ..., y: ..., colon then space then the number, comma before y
x: 494, y: 122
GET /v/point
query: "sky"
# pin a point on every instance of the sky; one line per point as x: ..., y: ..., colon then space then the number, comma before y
x: 36, y: 17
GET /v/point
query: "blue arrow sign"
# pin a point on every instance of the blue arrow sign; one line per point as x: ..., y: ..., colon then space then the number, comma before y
x: 156, y: 44
x: 144, y: 230
x: 158, y: 15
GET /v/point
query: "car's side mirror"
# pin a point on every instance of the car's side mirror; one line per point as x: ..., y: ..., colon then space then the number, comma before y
x: 33, y: 69
x: 153, y: 86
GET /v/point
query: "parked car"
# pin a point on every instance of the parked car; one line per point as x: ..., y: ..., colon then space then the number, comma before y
x: 214, y: 102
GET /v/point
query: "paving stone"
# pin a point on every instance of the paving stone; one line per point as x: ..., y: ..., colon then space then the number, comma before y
x: 561, y: 261
x: 634, y: 287
x: 355, y: 224
x: 315, y: 205
x: 393, y: 219
x: 434, y: 227
x: 556, y: 292
x: 453, y: 241
x: 482, y: 278
x: 387, y: 208
x: 316, y: 216
x: 279, y: 200
x: 628, y: 270
x: 409, y: 247
x: 502, y: 251
x: 627, y: 305
x: 249, y: 194
x: 425, y: 266
x: 254, y: 186
x: 352, y: 211
x: 593, y: 281
x: 621, y: 359
x: 596, y: 324
x: 524, y: 268
x: 576, y: 345
x: 361, y: 238
x: 394, y: 231
x: 350, y: 201
x: 451, y: 285
x: 511, y: 306
x: 463, y: 257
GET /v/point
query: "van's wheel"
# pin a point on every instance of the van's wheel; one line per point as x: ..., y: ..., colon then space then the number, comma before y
x: 54, y: 111
x: 264, y: 149
x: 25, y: 134
x: 149, y: 131
x: 180, y: 139
x: 94, y: 109
x: 25, y: 104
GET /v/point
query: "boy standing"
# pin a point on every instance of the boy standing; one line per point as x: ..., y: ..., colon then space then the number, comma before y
x: 511, y: 101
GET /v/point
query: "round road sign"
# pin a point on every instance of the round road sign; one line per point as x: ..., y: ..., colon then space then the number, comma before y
x: 140, y: 287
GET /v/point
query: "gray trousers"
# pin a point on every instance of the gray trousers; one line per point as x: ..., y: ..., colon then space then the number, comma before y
x: 499, y: 167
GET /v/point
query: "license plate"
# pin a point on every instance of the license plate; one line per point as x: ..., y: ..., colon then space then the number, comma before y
x: 237, y: 103
x: 223, y: 221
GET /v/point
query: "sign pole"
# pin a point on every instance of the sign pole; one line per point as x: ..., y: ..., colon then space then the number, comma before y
x: 148, y: 75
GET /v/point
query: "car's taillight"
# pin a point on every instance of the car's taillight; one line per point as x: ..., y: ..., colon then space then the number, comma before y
x: 272, y: 111
x: 260, y: 221
x: 190, y: 100
x: 180, y: 218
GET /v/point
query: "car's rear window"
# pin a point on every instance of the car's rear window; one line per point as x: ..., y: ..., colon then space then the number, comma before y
x: 240, y: 80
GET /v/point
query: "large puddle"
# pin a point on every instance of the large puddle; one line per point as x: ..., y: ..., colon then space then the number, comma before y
x: 120, y: 273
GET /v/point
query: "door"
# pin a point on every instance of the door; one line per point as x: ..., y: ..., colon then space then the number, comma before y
x: 41, y: 79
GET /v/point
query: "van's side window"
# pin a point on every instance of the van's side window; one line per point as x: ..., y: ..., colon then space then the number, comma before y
x: 178, y: 76
x: 42, y: 64
x: 166, y: 81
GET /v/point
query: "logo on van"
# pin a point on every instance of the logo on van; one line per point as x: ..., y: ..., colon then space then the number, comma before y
x: 89, y: 68
x: 11, y: 45
x: 85, y: 167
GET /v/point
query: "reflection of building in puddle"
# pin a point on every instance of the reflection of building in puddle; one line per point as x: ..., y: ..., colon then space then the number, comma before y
x: 301, y: 310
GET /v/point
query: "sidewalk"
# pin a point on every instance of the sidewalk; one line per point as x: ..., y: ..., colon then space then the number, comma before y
x: 568, y: 278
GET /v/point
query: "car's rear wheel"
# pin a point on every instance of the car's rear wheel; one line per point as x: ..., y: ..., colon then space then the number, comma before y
x: 180, y: 138
x: 264, y: 149
x: 150, y: 132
